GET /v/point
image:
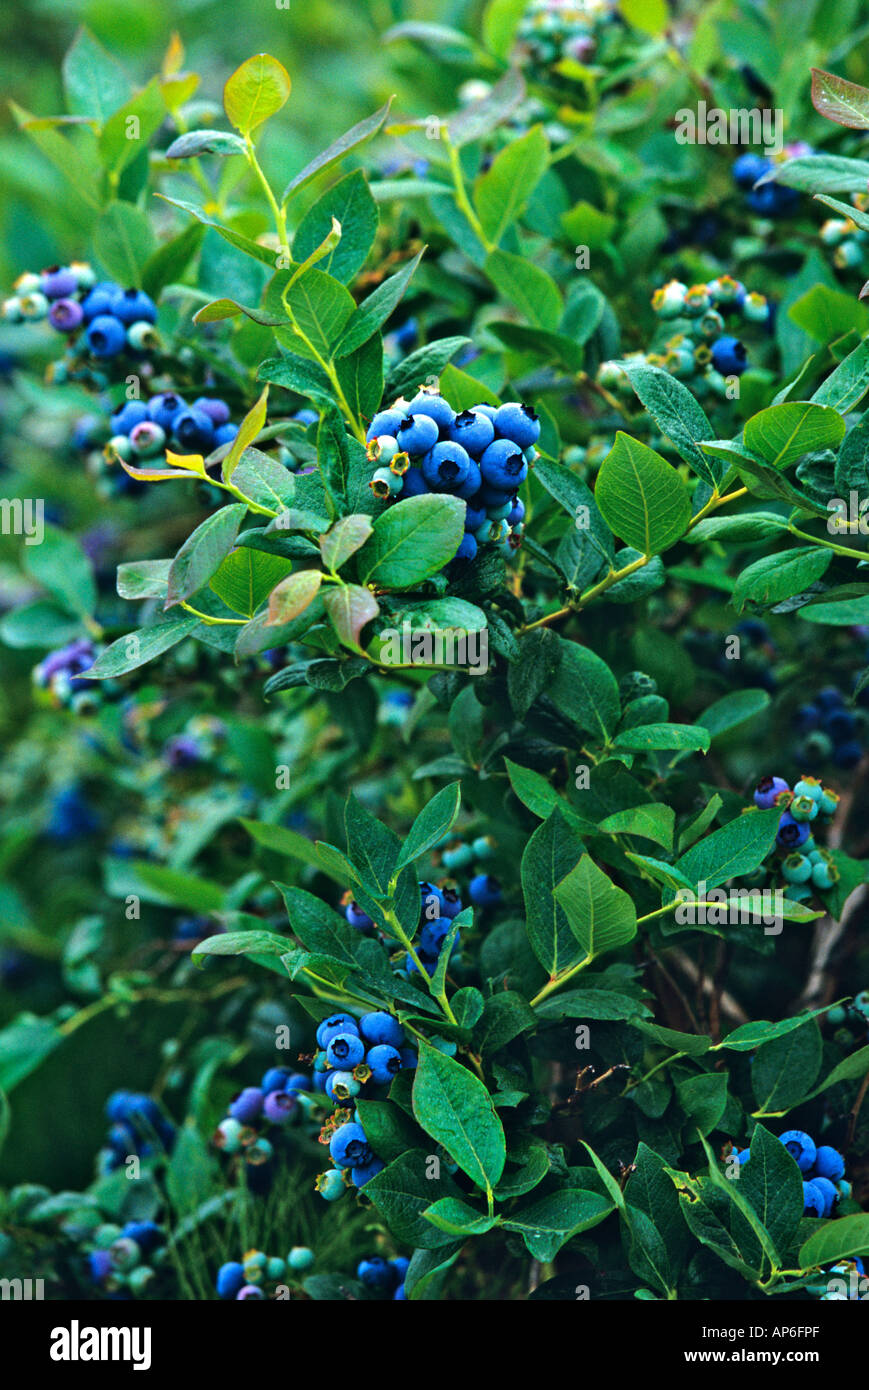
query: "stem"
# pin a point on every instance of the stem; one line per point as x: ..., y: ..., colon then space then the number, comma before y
x: 214, y: 622
x: 558, y: 980
x: 830, y: 545
x: 278, y: 213
x: 398, y: 929
x: 462, y: 199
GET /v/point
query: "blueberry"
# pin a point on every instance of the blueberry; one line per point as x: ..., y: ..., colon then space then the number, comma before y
x: 467, y: 547
x: 768, y: 790
x: 416, y: 434
x: 381, y: 1027
x: 225, y: 434
x: 375, y: 1273
x: 473, y: 430
x: 275, y: 1079
x: 474, y: 516
x: 134, y: 306
x: 517, y: 423
x: 250, y: 1291
x: 503, y: 467
x: 342, y: 1086
x: 362, y: 1173
x: 827, y: 1191
x: 216, y: 410
x: 146, y: 1234
x: 147, y: 439
x: 471, y: 486
x: 439, y: 410
x: 839, y: 724
x: 301, y: 1257
x: 413, y: 483
x: 330, y: 1184
x: 65, y: 315
x: 386, y: 422
x: 401, y: 1264
x: 106, y: 336
x: 296, y: 1082
x: 814, y: 1201
x: 130, y: 414
x: 357, y: 917
x: 433, y: 936
x: 791, y: 833
x: 194, y: 430
x: 847, y: 755
x: 162, y: 409
x: 729, y: 356
x: 451, y: 906
x: 801, y: 1147
x: 484, y: 891
x: 829, y: 1163
x: 830, y: 698
x: 333, y: 1025
x: 349, y: 1146
x: 247, y: 1105
x: 58, y: 282
x: 345, y: 1051
x: 385, y: 1063
x: 516, y: 513
x: 748, y: 168
x: 446, y: 467
x: 279, y: 1107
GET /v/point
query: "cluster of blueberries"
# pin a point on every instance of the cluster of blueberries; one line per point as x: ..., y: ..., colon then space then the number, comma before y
x: 384, y: 1277
x: 143, y: 429
x: 831, y: 732
x: 250, y: 1276
x: 771, y: 199
x: 439, y: 906
x: 847, y: 240
x: 480, y: 455
x: 279, y: 1100
x: 822, y: 1167
x: 56, y: 671
x: 137, y: 1127
x: 112, y: 319
x: 553, y: 30
x: 854, y: 1015
x: 352, y: 1053
x: 123, y: 1258
x: 806, y: 865
x: 700, y: 351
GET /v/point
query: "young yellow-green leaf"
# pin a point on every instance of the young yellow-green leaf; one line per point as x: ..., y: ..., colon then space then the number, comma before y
x: 602, y: 917
x: 641, y: 496
x: 255, y: 91
x: 455, y: 1109
x: 783, y: 433
x: 292, y: 596
x: 247, y: 433
x: 350, y: 607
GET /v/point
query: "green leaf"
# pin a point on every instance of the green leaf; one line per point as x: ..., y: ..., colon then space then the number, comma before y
x: 138, y: 648
x: 775, y: 577
x: 457, y: 1218
x: 124, y: 242
x: 550, y: 1222
x: 501, y: 193
x: 434, y: 821
x: 526, y: 286
x: 197, y: 142
x: 361, y: 377
x: 456, y: 1110
x: 773, y: 1184
x: 94, y: 83
x: 733, y: 710
x: 841, y: 1239
x: 60, y: 565
x: 703, y: 1099
x: 585, y: 690
x: 651, y: 1193
x: 350, y: 203
x: 605, y: 1004
x: 350, y: 607
x: 601, y: 916
x: 655, y: 821
x: 747, y: 526
x: 641, y: 497
x: 849, y: 1069
x: 246, y: 578
x: 406, y: 376
x: 347, y: 535
x: 263, y: 480
x: 372, y: 847
x: 376, y: 309
x: 848, y: 383
x: 783, y: 433
x: 733, y: 851
x: 677, y: 415
x: 25, y: 1043
x: 403, y: 1191
x: 201, y: 554
x: 841, y: 101
x: 352, y: 139
x: 500, y: 22
x: 655, y: 737
x: 243, y: 943
x: 785, y: 1068
x: 320, y: 307
x: 552, y: 851
x: 823, y: 173
x: 144, y: 113
x: 749, y: 1036
x: 412, y: 540
x: 478, y: 119
x: 264, y: 254
x: 256, y: 91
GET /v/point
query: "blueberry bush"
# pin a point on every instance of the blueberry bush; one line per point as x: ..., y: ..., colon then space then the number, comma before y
x: 434, y: 495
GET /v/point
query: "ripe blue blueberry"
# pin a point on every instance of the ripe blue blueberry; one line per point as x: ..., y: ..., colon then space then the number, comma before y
x: 473, y: 430
x: 363, y: 1173
x: 296, y: 1082
x: 65, y: 315
x: 225, y: 434
x: 439, y: 410
x: 106, y: 336
x: 399, y: 1296
x: 230, y: 1279
x: 345, y: 1051
x: 518, y: 423
x: 385, y: 1063
x: 58, y: 282
x: 829, y: 1163
x: 386, y: 422
x: 132, y: 413
x: 445, y: 466
x: 827, y: 1191
x: 381, y: 1027
x: 801, y: 1147
x: 451, y: 905
x: 275, y: 1079
x: 247, y: 1105
x: 814, y: 1201
x: 99, y: 301
x: 847, y: 755
x: 467, y: 547
x: 516, y: 513
x: 503, y: 467
x: 279, y: 1107
x: 748, y: 168
x: 401, y: 1264
x: 349, y: 1146
x: 474, y: 516
x: 375, y: 1273
x: 433, y: 936
x: 413, y: 484
x: 729, y: 356
x: 471, y: 486
x: 416, y: 434
x: 791, y: 833
x: 134, y: 306
x: 484, y: 891
x: 163, y: 408
x: 357, y: 917
x: 409, y: 1059
x: 333, y: 1025
x: 194, y: 430
x: 146, y: 1234
x: 216, y: 409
